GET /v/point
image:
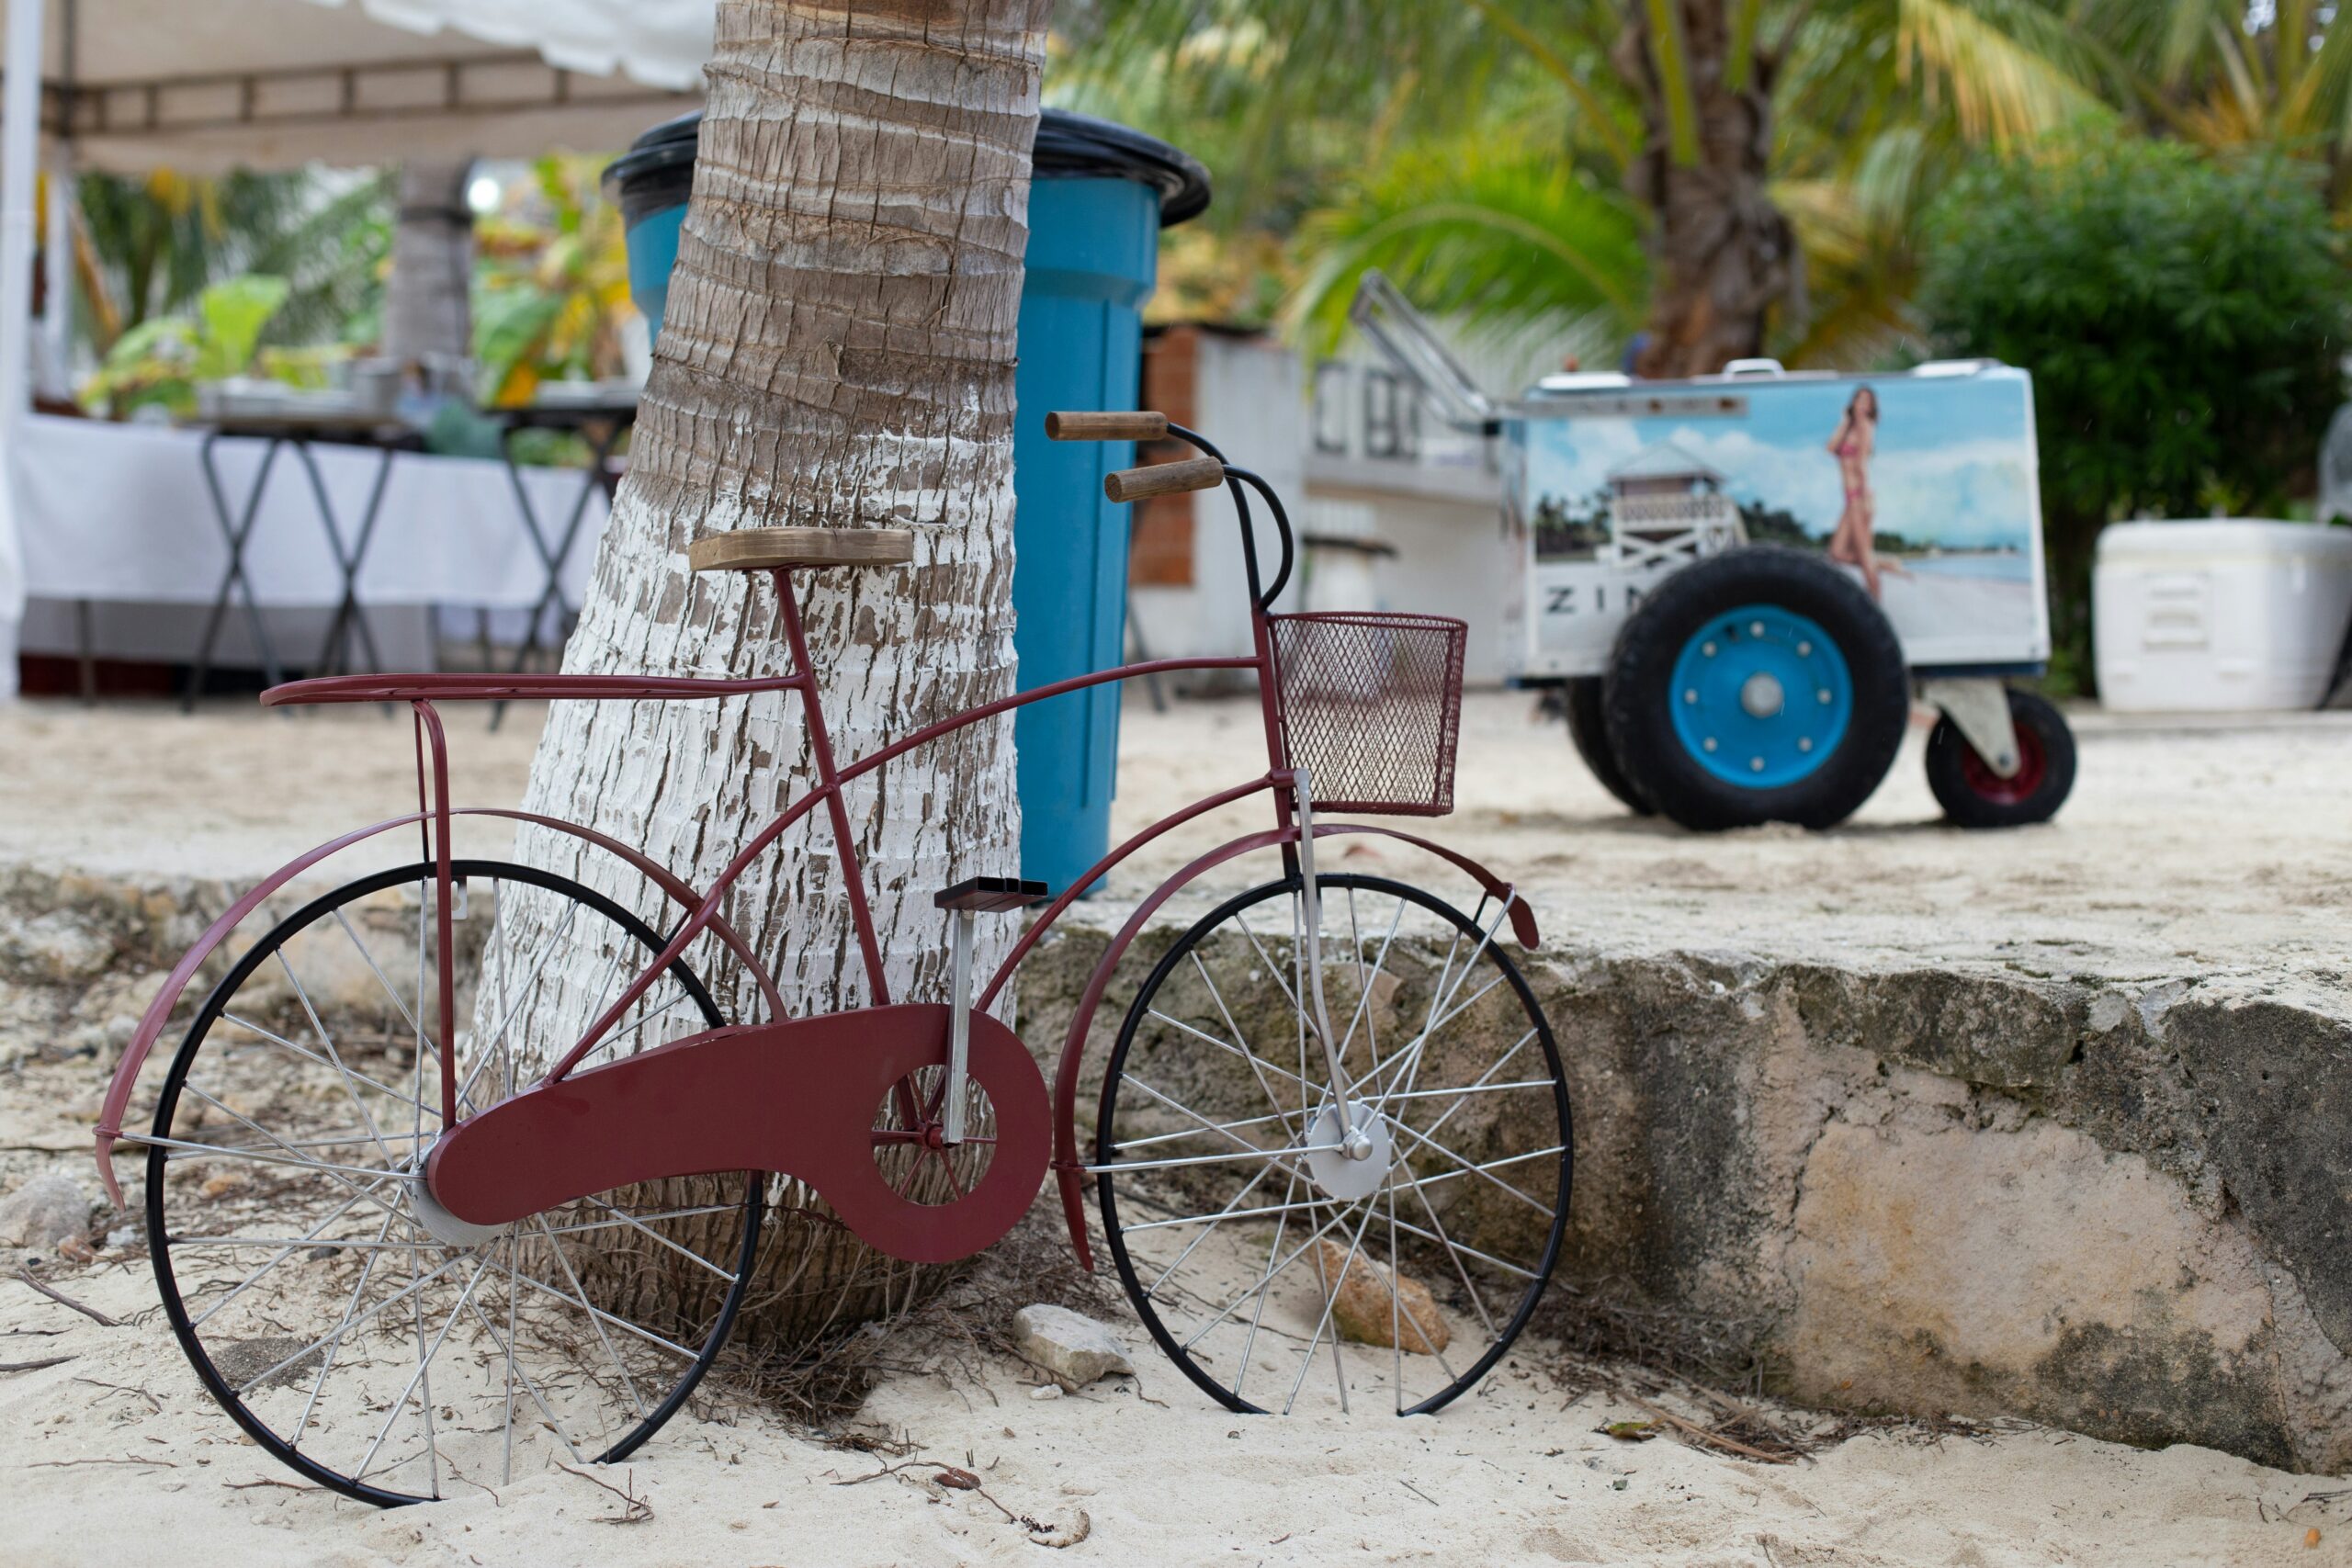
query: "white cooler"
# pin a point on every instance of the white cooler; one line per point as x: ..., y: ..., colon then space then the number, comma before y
x: 2223, y: 614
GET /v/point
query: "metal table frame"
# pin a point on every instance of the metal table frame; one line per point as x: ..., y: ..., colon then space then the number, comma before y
x: 348, y: 622
x: 602, y: 426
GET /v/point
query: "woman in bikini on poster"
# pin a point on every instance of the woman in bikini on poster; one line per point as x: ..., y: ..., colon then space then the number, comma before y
x: 1853, y: 445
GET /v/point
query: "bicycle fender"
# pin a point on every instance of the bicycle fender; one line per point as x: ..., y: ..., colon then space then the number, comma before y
x: 159, y: 1012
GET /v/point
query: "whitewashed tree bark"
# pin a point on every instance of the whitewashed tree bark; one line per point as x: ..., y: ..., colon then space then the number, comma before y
x: 428, y: 299
x: 837, y: 351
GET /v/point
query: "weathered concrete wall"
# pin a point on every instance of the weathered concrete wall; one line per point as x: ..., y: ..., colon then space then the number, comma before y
x: 2121, y: 1209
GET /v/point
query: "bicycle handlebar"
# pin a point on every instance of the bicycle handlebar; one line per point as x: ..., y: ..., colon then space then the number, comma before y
x: 1164, y: 479
x: 1203, y: 472
x: 1140, y: 425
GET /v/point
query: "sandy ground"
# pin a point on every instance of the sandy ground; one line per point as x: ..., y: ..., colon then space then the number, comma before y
x: 2190, y: 849
x: 2219, y: 848
x: 116, y: 1451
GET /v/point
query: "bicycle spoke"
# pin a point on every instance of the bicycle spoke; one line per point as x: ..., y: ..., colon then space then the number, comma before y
x: 520, y: 1276
x: 307, y: 1055
x: 687, y: 1253
x: 1206, y: 1038
x: 281, y: 1155
x: 1245, y: 1276
x: 1453, y: 1256
x: 1330, y: 1302
x: 580, y: 1299
x: 1274, y: 1248
x: 1242, y: 1048
x: 424, y: 1364
x: 334, y: 1344
x: 326, y: 1042
x: 279, y: 1257
x: 1212, y: 1222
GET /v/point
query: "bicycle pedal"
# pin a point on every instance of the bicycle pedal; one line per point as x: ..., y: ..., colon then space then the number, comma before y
x: 987, y: 894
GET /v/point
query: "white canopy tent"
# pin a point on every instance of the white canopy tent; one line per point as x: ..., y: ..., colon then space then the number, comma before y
x: 201, y: 86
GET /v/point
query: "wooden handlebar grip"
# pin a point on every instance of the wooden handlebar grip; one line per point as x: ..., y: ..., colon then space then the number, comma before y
x: 1142, y: 426
x: 1164, y: 479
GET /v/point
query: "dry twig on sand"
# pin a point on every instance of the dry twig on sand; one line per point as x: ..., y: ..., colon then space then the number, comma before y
x: 636, y: 1510
x: 955, y: 1478
x: 61, y: 1299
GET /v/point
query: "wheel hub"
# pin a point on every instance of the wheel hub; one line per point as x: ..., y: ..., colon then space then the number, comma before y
x: 1333, y: 1162
x: 438, y: 1222
x: 1761, y: 696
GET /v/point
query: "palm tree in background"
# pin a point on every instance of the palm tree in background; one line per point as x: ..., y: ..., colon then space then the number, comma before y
x: 1724, y: 176
x: 147, y: 246
x: 2232, y: 76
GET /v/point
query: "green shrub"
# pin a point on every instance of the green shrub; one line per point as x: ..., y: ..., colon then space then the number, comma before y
x: 2183, y: 317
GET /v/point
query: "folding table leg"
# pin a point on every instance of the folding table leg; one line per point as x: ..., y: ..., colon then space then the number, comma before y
x: 348, y: 617
x: 598, y: 478
x: 233, y: 580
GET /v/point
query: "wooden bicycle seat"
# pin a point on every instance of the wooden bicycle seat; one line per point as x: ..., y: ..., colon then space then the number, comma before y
x: 772, y: 549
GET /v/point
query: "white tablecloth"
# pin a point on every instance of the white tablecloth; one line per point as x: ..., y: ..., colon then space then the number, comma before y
x: 120, y: 512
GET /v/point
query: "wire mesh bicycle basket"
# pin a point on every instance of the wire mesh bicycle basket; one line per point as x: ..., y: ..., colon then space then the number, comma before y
x: 1370, y: 707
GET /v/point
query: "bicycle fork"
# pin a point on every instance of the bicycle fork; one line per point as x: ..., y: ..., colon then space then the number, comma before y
x: 1355, y: 1143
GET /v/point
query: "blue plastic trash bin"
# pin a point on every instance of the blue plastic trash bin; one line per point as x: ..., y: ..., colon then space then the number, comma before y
x: 650, y: 182
x: 1100, y: 197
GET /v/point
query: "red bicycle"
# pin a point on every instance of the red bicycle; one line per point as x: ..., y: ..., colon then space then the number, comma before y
x: 403, y: 1250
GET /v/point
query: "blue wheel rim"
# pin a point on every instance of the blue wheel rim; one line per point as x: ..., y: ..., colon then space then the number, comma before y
x: 1761, y: 696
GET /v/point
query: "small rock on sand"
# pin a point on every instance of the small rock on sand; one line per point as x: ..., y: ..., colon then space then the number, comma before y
x: 1074, y: 1347
x: 44, y: 1214
x: 1364, y: 1313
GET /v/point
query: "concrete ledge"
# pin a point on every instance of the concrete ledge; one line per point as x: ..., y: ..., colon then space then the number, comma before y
x: 2117, y: 1207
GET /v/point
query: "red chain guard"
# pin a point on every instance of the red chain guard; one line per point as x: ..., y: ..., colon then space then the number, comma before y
x: 798, y: 1098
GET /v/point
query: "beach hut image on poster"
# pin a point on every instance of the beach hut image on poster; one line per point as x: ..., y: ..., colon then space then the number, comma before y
x: 1741, y: 583
x: 1667, y: 507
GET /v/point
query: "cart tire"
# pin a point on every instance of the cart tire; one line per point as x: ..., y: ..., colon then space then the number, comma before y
x: 1705, y: 695
x: 1973, y: 796
x: 1588, y: 728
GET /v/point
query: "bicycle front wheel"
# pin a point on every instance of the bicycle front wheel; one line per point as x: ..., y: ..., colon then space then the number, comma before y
x: 356, y: 1331
x: 1283, y: 1257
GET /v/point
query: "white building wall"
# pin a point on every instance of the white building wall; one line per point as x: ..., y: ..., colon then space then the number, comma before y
x: 1355, y: 440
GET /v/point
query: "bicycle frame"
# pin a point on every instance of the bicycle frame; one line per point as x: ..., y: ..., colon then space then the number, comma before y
x: 435, y: 814
x: 432, y: 772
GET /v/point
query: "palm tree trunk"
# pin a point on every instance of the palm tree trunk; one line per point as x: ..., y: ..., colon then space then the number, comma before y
x: 1722, y: 253
x: 837, y: 351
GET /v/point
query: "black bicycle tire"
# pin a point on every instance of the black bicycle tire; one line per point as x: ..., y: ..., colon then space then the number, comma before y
x: 215, y: 1002
x: 1106, y: 1198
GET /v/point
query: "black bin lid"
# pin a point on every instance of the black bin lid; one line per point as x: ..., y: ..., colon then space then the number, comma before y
x: 1078, y: 146
x: 668, y: 145
x: 1068, y: 146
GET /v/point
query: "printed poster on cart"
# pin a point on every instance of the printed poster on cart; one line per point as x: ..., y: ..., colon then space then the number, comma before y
x: 1921, y: 487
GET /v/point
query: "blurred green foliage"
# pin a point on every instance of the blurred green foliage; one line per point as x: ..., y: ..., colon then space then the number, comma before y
x: 163, y: 359
x: 550, y: 283
x: 2184, y: 316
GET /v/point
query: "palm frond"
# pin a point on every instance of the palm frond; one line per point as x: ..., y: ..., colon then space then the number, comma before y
x: 2008, y: 70
x: 1481, y: 235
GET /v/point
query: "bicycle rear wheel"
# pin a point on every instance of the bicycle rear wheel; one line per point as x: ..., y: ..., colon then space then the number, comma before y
x: 357, y: 1331
x: 1254, y: 1249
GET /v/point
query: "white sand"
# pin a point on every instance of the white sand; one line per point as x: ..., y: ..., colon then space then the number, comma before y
x: 2217, y: 848
x: 150, y: 1470
x: 2188, y: 851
